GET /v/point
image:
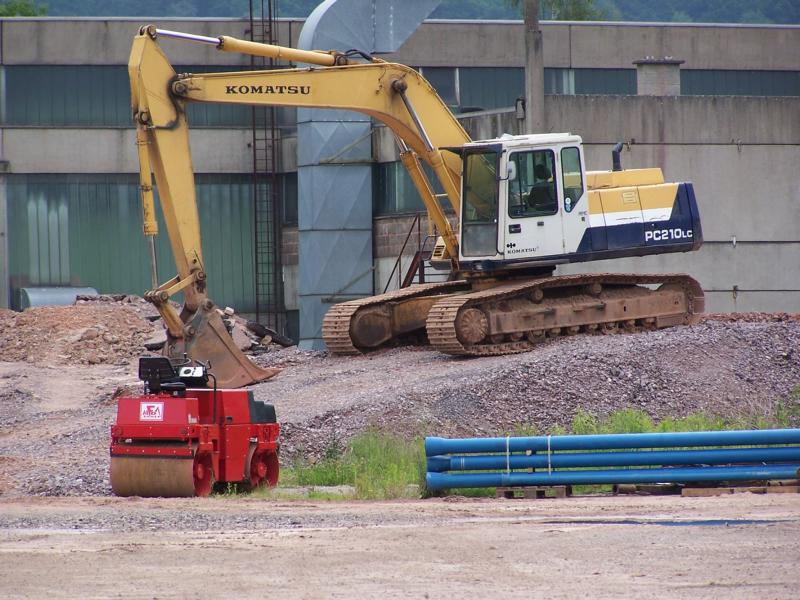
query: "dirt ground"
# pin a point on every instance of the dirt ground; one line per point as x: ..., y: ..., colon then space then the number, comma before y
x: 737, y: 546
x: 63, y: 535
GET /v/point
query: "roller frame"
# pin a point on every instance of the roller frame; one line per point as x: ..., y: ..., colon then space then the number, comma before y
x: 170, y: 449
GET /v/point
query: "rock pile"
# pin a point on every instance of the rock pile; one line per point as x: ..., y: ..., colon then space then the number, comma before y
x: 85, y: 333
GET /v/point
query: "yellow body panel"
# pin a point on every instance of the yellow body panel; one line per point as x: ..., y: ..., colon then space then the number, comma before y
x: 658, y: 196
x: 632, y: 198
x: 617, y: 179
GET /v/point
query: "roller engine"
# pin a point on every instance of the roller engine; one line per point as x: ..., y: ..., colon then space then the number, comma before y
x: 183, y: 438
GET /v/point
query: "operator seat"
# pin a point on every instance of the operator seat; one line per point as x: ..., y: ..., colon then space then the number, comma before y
x: 541, y: 198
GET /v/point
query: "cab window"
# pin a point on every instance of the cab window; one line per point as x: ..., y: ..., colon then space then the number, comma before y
x: 532, y: 192
x: 572, y: 177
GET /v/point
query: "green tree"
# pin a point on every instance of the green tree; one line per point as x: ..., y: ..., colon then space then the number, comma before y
x: 21, y: 8
x: 565, y: 10
x: 573, y: 10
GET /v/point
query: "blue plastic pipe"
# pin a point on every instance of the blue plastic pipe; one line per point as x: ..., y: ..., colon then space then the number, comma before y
x: 435, y: 446
x: 724, y: 456
x: 438, y: 481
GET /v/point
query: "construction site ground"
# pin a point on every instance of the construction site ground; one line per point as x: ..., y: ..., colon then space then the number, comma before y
x: 62, y: 534
x: 737, y: 546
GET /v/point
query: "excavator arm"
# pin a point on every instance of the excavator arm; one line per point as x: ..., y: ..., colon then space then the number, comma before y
x: 394, y: 94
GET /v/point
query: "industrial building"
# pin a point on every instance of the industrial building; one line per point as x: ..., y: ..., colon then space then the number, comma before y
x: 718, y: 105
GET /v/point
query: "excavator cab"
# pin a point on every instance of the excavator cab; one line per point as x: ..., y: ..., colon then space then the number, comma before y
x: 528, y: 202
x: 517, y: 192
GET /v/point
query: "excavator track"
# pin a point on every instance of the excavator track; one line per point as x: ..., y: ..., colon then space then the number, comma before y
x: 336, y: 326
x: 478, y: 323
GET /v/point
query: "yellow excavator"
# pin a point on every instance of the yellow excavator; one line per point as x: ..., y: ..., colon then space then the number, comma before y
x: 521, y: 205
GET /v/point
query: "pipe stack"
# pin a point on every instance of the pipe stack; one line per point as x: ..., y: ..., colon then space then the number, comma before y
x: 703, y: 456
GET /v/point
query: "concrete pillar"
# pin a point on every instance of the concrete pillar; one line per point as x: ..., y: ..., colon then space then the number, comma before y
x: 658, y: 76
x: 534, y: 70
x: 4, y: 285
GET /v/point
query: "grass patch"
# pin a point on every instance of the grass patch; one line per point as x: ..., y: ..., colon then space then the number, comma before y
x: 377, y: 465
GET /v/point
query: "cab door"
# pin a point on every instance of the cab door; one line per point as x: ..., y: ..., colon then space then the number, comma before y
x: 533, y: 223
x: 575, y: 221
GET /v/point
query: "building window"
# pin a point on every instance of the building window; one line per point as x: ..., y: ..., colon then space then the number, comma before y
x: 99, y: 96
x: 469, y: 89
x: 719, y: 82
x: 393, y: 191
x: 488, y: 88
x: 289, y: 199
x: 614, y: 82
x: 445, y: 81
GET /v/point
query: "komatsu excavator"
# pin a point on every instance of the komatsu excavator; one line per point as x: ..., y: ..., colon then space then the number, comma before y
x: 522, y: 205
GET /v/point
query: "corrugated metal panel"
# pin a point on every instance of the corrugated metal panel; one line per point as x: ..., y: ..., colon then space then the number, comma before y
x: 86, y: 230
x: 719, y: 82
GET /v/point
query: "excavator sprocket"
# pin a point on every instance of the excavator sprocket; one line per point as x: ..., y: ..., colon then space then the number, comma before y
x: 514, y: 316
x: 356, y: 326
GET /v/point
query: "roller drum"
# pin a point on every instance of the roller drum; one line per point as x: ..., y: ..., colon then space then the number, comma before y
x: 152, y: 477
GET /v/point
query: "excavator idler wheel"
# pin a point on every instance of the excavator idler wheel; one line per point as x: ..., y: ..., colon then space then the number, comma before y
x: 471, y: 326
x: 371, y: 326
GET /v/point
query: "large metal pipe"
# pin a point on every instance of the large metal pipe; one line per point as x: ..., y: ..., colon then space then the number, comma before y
x: 435, y: 446
x: 438, y: 481
x: 727, y: 456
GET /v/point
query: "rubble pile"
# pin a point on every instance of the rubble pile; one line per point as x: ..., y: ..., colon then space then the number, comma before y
x: 107, y: 329
x: 89, y: 332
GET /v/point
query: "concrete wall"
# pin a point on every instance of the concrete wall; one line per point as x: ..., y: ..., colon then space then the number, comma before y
x: 436, y: 43
x: 41, y: 150
x: 101, y: 41
x: 606, y: 45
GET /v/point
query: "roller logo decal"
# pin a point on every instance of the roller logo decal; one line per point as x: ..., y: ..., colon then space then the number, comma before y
x: 268, y: 89
x: 151, y: 411
x: 662, y: 235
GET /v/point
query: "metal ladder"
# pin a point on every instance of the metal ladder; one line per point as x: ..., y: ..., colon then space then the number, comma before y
x: 270, y: 308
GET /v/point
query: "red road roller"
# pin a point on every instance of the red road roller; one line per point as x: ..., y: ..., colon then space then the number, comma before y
x: 184, y: 438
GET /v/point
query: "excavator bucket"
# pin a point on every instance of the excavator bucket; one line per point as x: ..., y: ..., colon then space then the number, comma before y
x: 207, y: 340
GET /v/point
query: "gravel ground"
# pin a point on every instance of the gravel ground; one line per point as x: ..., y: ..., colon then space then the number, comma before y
x: 54, y: 420
x: 724, y: 367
